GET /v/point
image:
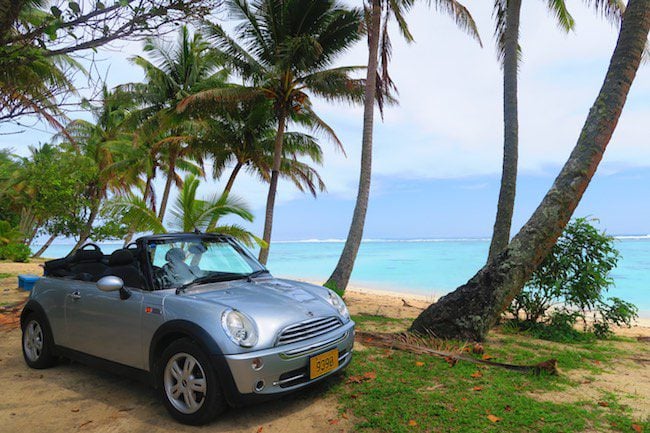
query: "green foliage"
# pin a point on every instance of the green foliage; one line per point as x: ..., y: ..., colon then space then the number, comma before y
x: 37, y: 37
x: 188, y: 213
x: 16, y: 252
x: 9, y: 234
x: 570, y: 284
x: 53, y: 184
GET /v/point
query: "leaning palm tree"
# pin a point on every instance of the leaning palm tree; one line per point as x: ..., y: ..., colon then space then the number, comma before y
x: 189, y: 213
x: 507, y: 13
x: 378, y: 84
x: 284, y: 50
x: 472, y: 309
x: 176, y: 72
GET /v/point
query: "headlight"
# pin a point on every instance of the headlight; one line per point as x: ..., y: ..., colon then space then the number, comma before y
x: 239, y: 328
x: 338, y: 303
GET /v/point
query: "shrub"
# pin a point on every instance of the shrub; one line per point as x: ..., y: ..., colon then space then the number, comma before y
x: 571, y: 283
x: 16, y: 252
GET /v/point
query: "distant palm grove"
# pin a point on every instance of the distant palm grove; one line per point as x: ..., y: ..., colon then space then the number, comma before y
x: 229, y: 88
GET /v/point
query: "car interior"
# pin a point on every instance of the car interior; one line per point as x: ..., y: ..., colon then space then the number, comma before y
x: 89, y: 263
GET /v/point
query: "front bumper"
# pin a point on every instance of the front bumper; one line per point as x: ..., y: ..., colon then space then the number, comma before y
x: 286, y: 368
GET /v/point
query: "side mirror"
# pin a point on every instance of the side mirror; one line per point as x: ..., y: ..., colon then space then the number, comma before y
x: 110, y: 284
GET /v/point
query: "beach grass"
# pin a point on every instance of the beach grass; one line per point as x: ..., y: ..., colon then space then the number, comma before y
x: 396, y: 391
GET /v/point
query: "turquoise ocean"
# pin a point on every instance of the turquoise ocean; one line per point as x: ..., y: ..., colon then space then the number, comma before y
x: 429, y: 267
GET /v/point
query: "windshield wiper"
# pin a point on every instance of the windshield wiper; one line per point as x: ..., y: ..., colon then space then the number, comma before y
x: 257, y: 273
x: 211, y: 278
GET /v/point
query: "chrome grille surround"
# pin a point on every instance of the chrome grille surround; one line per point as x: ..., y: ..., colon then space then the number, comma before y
x: 308, y: 329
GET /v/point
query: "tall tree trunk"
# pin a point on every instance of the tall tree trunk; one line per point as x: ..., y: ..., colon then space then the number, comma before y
x: 128, y: 237
x: 148, y: 194
x: 168, y: 188
x: 45, y: 246
x: 506, y: 204
x: 341, y: 274
x: 233, y: 176
x: 273, y: 186
x: 85, y: 234
x: 470, y: 311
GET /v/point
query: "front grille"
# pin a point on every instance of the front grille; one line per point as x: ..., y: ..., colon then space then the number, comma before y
x: 308, y: 329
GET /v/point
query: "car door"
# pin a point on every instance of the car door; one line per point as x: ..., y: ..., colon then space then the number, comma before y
x: 103, y: 325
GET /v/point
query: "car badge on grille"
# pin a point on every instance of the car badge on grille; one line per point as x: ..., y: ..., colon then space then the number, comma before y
x: 310, y: 314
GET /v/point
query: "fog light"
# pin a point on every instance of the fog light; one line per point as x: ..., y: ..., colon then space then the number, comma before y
x: 257, y: 364
x: 259, y: 386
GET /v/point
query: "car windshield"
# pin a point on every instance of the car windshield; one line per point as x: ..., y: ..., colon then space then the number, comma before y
x: 179, y: 262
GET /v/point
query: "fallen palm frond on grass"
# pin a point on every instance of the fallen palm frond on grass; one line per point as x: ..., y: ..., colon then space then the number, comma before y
x: 422, y: 345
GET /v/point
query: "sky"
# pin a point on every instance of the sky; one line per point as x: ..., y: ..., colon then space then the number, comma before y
x: 437, y: 155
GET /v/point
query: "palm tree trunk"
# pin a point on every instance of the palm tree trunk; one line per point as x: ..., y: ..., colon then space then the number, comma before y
x: 148, y: 189
x: 85, y: 233
x: 472, y: 309
x: 273, y: 186
x: 128, y: 237
x: 341, y: 274
x: 45, y: 246
x: 506, y: 204
x: 168, y: 187
x: 233, y: 176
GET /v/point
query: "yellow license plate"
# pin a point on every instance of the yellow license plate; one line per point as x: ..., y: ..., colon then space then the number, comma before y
x: 323, y: 363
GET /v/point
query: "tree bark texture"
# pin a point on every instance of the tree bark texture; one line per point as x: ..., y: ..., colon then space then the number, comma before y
x: 506, y: 203
x: 273, y: 187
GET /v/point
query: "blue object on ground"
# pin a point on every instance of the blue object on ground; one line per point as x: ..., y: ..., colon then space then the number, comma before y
x: 27, y: 281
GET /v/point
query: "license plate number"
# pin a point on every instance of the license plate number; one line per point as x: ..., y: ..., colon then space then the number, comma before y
x: 323, y: 363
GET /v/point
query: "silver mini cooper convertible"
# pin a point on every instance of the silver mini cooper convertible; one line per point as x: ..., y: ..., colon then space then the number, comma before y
x: 196, y: 315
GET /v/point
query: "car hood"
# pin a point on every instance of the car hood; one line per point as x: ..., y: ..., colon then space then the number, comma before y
x: 271, y: 302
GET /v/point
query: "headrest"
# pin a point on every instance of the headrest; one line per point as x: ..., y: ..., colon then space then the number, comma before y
x: 196, y: 249
x: 175, y: 255
x: 120, y: 258
x: 88, y: 256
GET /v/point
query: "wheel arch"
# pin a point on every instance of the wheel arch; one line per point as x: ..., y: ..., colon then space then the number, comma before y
x: 173, y: 330
x: 33, y: 306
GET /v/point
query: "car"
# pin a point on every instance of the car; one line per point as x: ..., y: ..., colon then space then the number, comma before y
x: 193, y: 314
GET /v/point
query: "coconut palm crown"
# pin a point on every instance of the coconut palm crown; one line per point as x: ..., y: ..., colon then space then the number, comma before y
x: 284, y: 51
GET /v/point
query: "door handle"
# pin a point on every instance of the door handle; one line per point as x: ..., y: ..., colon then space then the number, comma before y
x: 75, y: 295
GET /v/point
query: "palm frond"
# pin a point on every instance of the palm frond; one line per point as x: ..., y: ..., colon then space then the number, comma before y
x: 135, y: 212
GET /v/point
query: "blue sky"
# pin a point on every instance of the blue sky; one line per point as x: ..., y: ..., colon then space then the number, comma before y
x: 438, y: 154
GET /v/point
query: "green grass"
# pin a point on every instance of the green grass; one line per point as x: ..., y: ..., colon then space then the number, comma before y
x: 6, y: 275
x: 426, y: 391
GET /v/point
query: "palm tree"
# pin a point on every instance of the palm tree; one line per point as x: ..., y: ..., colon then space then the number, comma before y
x: 188, y: 213
x: 97, y: 141
x: 378, y: 83
x: 242, y: 135
x: 472, y: 309
x: 507, y: 14
x: 283, y: 50
x: 179, y: 71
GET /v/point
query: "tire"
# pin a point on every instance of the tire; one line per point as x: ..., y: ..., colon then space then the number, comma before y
x: 183, y: 366
x: 37, y: 342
